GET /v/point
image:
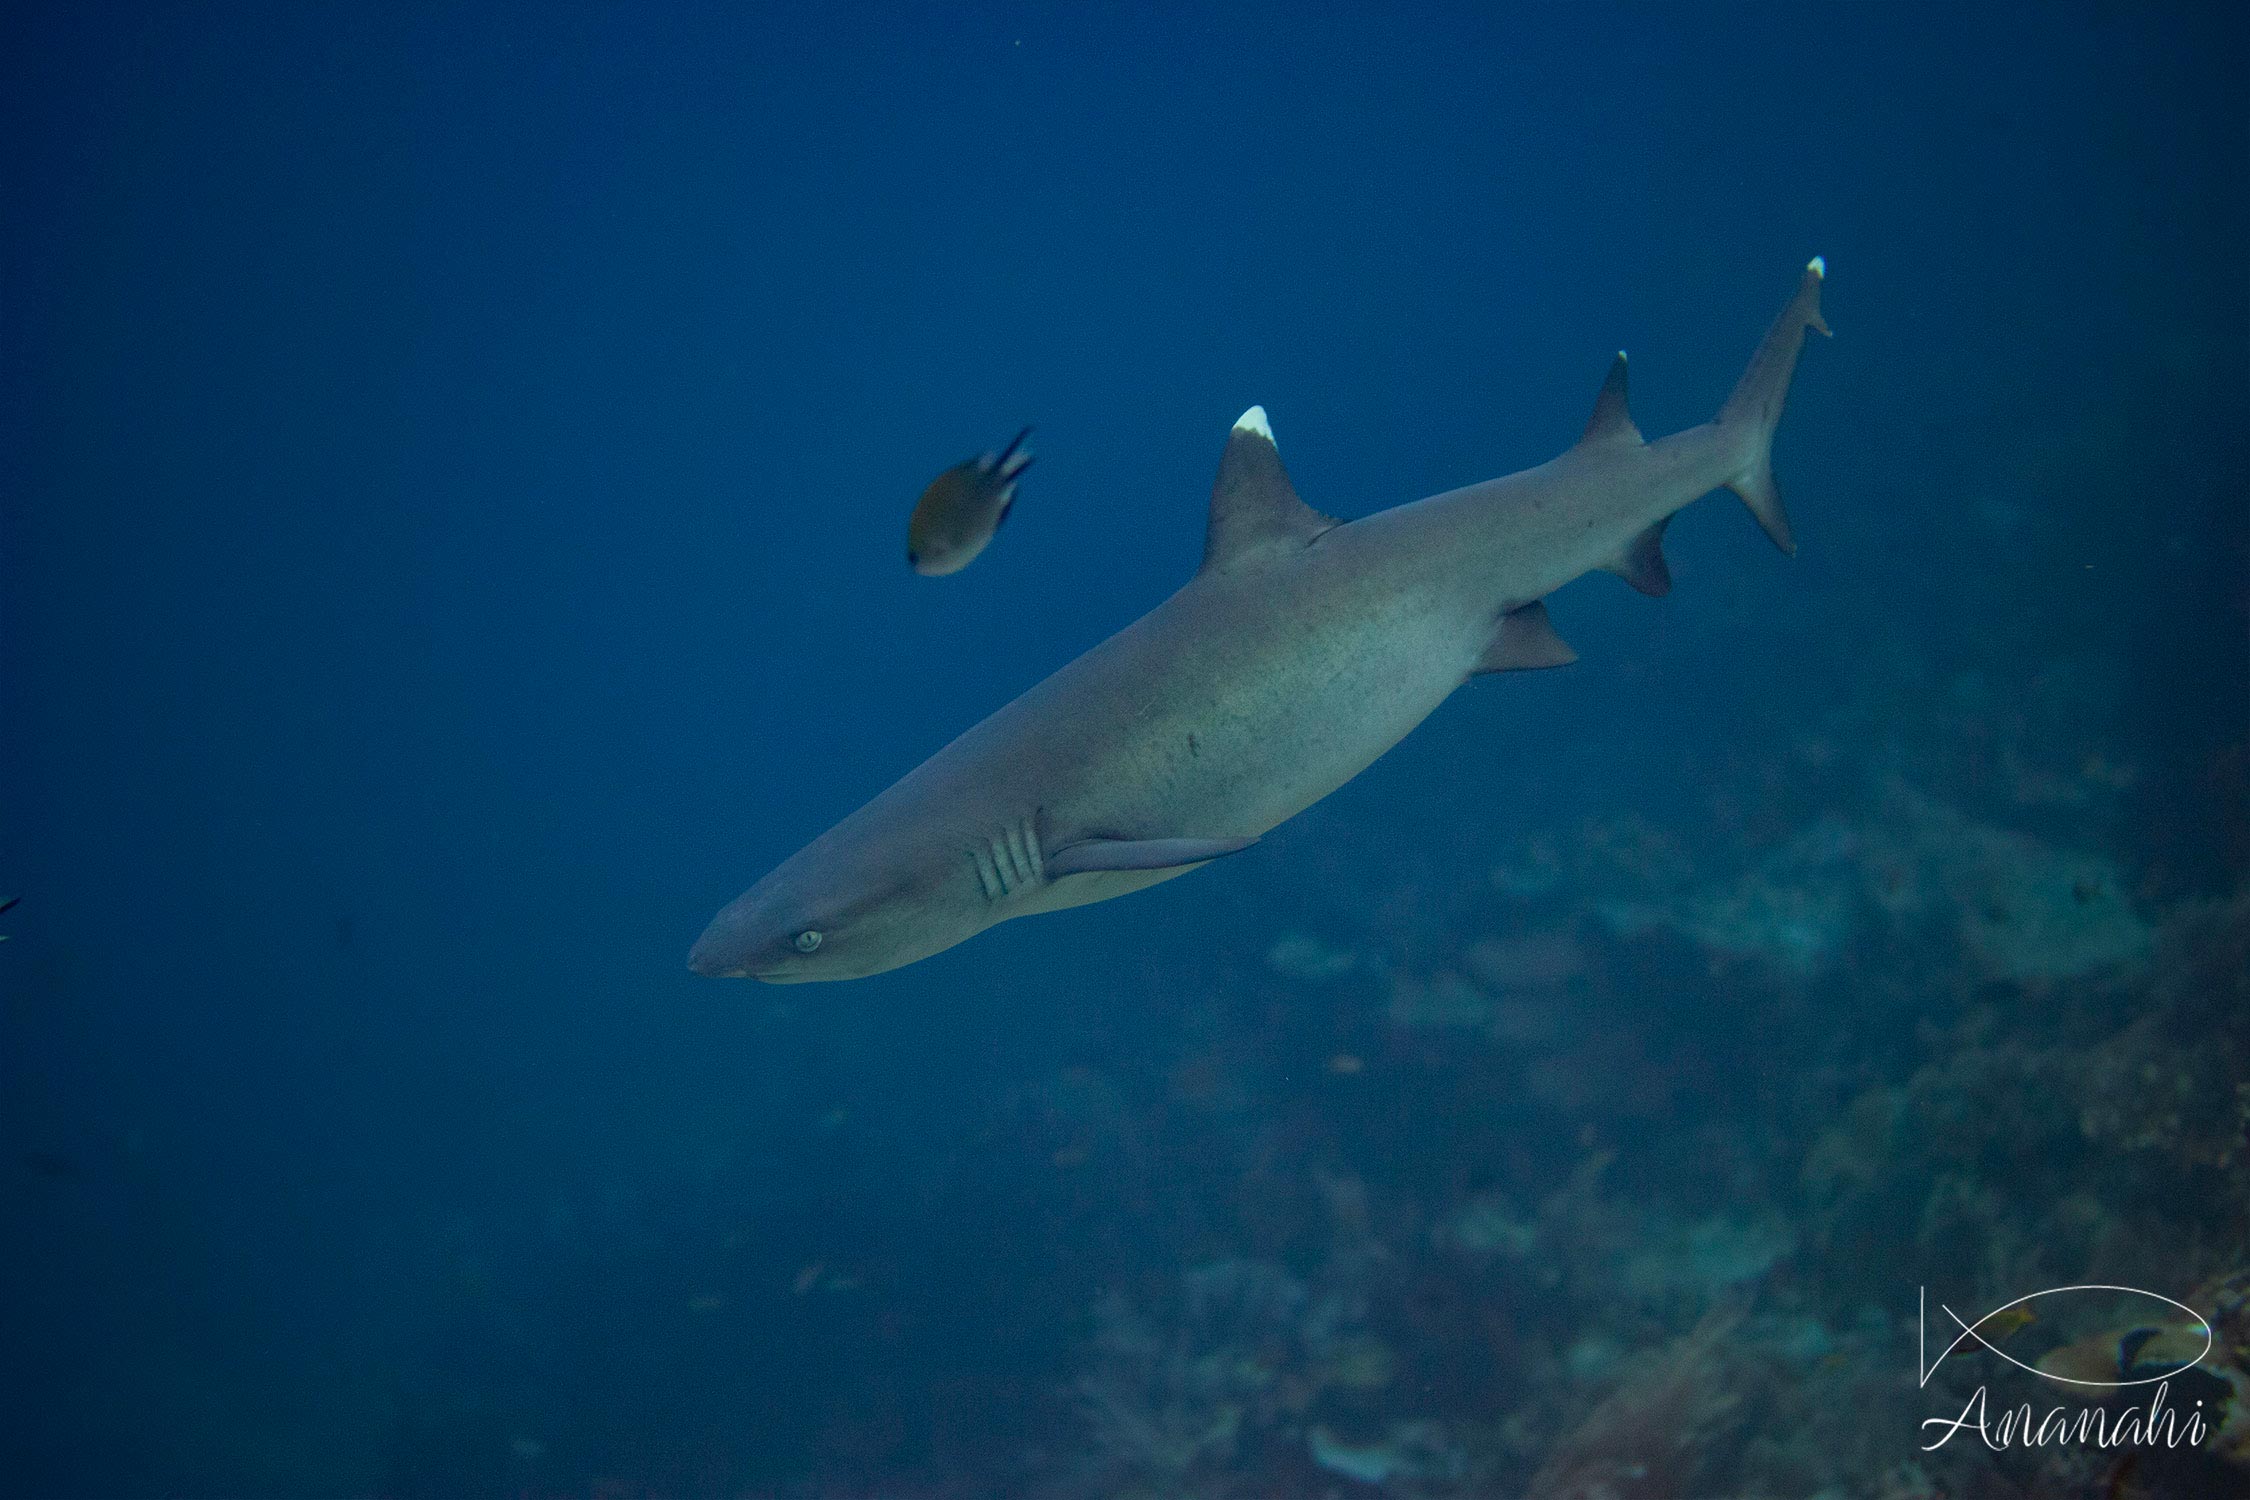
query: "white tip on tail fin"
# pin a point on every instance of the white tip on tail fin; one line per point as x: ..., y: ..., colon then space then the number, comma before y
x: 1254, y: 420
x: 1754, y: 410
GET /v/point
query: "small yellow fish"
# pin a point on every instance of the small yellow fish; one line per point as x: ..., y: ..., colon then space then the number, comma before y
x: 962, y: 508
x: 1345, y: 1064
x: 1995, y: 1326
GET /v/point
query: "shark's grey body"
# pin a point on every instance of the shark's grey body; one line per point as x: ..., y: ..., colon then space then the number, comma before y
x: 1302, y: 650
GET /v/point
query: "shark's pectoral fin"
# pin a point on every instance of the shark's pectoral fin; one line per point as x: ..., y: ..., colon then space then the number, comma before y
x: 1138, y: 854
x: 1525, y: 640
x: 1642, y: 564
x: 1253, y: 504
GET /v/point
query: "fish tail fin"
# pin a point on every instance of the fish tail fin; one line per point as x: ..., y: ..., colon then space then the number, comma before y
x: 1755, y: 407
x: 1011, y: 463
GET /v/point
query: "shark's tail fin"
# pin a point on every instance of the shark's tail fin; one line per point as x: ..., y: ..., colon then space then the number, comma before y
x: 1755, y: 406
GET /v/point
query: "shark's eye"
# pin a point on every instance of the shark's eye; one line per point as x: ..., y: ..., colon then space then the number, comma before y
x: 808, y: 940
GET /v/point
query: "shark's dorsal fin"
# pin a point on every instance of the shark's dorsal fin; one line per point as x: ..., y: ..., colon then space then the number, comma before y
x: 1612, y: 422
x: 1253, y: 504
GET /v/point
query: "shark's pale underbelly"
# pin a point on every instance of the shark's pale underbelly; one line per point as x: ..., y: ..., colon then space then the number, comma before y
x: 1226, y: 719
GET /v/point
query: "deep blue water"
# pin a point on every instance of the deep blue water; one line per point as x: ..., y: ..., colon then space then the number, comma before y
x: 452, y: 482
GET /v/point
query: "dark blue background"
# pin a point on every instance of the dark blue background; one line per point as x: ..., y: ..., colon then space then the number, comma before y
x: 455, y: 464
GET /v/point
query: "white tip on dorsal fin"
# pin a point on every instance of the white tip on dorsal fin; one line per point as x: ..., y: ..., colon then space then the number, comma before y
x: 1611, y: 422
x: 1818, y: 265
x: 1253, y: 504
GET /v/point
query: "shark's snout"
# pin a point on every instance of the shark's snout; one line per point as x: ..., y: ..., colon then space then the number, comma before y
x: 718, y: 954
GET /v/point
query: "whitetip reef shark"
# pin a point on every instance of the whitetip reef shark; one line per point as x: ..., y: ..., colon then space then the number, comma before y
x: 1302, y: 649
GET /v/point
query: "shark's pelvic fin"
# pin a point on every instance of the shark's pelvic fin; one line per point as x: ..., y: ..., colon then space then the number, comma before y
x: 1138, y: 854
x: 1755, y: 406
x: 1612, y: 422
x: 1253, y: 504
x: 1642, y: 563
x: 1524, y: 641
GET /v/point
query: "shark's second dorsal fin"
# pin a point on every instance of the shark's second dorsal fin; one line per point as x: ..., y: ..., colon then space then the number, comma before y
x: 1611, y: 422
x: 1253, y: 504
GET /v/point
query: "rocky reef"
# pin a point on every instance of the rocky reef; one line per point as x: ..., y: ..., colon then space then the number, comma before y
x: 1659, y: 1175
x: 1764, y: 1148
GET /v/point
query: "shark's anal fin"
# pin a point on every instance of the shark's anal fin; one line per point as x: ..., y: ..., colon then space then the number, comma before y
x: 1138, y: 854
x: 1642, y: 563
x: 1253, y: 504
x: 1611, y: 422
x: 1524, y: 641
